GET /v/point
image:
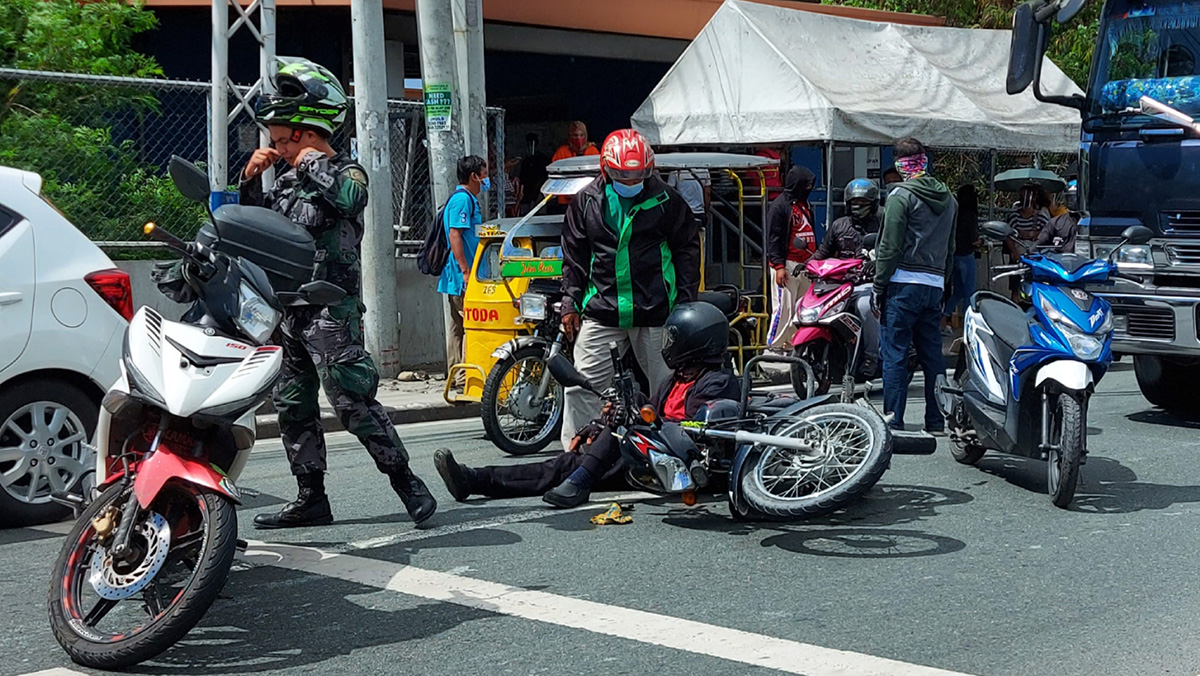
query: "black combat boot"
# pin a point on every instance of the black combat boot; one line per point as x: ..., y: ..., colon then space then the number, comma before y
x: 459, y: 480
x: 311, y: 507
x: 414, y: 494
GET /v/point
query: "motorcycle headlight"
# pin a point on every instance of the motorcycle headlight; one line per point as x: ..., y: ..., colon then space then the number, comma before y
x: 810, y: 315
x: 1052, y: 312
x: 255, y: 317
x: 532, y: 307
x: 1084, y: 346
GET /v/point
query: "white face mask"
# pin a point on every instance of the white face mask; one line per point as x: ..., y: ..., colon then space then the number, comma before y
x: 627, y: 191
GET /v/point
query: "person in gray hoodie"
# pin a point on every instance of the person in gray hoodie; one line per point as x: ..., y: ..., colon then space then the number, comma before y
x: 915, y: 256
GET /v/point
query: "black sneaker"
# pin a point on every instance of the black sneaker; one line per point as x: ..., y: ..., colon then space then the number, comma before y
x: 567, y: 495
x: 456, y: 480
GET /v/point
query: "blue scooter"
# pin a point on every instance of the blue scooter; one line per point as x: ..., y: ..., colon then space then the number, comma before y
x: 1021, y: 385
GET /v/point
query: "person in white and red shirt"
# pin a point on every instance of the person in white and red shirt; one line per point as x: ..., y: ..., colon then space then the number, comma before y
x: 791, y: 241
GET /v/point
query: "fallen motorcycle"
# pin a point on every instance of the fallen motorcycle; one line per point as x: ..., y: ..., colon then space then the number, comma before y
x: 782, y: 457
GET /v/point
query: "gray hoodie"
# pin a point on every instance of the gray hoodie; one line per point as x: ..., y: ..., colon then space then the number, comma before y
x: 918, y: 230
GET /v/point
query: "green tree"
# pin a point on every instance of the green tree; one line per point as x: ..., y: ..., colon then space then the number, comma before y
x: 1070, y: 47
x: 64, y: 131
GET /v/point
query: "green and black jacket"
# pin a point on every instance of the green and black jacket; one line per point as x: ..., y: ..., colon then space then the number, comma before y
x: 628, y: 262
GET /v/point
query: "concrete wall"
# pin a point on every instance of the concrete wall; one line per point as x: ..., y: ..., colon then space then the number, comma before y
x: 146, y: 293
x: 422, y: 323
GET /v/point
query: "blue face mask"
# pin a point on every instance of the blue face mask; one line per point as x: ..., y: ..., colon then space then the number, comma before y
x: 486, y: 184
x: 627, y: 191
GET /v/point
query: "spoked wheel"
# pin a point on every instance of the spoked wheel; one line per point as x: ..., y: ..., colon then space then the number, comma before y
x: 1062, y: 467
x: 110, y: 613
x: 851, y: 448
x: 516, y: 419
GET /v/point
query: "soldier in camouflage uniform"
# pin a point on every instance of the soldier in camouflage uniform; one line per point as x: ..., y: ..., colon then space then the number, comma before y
x: 325, y: 192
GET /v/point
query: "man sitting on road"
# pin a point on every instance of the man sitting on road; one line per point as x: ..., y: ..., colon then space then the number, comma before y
x: 696, y: 348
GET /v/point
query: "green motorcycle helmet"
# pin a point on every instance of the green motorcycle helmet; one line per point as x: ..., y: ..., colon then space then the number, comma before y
x: 306, y: 95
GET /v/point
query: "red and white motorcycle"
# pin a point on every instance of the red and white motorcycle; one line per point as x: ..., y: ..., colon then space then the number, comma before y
x: 151, y: 551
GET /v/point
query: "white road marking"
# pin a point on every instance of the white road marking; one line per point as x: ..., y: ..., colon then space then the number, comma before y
x: 56, y: 672
x: 698, y: 638
x: 409, y: 536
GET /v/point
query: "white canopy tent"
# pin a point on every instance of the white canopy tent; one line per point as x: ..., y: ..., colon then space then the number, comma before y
x: 765, y: 74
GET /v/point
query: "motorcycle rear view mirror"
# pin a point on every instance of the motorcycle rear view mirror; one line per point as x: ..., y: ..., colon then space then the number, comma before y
x: 870, y: 240
x: 1137, y: 234
x: 997, y: 230
x: 322, y: 292
x: 189, y: 179
x: 564, y: 372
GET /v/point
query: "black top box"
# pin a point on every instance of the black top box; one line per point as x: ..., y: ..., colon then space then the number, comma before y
x: 284, y: 250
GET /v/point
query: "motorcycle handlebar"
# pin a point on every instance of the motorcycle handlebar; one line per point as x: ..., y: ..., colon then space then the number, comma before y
x: 190, y: 250
x: 152, y: 231
x: 1129, y: 278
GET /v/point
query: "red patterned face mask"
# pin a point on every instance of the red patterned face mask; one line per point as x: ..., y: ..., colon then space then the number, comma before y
x: 913, y: 166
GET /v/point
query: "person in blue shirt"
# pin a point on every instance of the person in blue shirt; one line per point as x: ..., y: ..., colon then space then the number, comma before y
x: 460, y: 218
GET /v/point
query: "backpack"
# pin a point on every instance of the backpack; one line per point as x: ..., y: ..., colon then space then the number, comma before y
x: 435, y: 250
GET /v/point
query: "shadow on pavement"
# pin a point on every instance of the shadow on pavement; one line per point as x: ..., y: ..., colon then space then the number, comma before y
x: 1155, y: 416
x: 1112, y: 488
x: 280, y: 619
x: 1108, y: 486
x: 871, y: 518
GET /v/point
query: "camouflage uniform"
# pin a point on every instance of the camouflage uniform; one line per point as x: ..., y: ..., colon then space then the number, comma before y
x: 324, y: 346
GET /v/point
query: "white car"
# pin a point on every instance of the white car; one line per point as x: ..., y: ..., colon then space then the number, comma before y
x: 63, y: 311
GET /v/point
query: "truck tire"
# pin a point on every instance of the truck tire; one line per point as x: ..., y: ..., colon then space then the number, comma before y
x: 1168, y: 383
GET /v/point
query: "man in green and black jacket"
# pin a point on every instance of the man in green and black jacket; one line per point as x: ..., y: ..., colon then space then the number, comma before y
x: 631, y: 252
x: 915, y: 255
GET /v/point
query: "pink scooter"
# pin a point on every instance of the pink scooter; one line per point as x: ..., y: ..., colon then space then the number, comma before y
x: 837, y: 334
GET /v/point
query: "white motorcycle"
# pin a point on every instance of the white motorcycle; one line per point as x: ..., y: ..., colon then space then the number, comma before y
x: 152, y: 550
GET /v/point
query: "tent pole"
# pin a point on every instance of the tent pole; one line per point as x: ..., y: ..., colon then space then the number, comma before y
x: 828, y: 185
x: 992, y: 185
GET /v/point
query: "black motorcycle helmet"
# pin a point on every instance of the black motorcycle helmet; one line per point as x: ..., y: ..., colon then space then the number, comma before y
x: 695, y: 333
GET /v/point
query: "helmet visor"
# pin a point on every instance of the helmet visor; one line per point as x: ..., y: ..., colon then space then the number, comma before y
x: 639, y: 174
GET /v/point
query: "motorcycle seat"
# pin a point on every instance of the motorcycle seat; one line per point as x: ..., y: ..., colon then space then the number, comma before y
x: 1005, y: 318
x: 725, y: 301
x: 769, y: 403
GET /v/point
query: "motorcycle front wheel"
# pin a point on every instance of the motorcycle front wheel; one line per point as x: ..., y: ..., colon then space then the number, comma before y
x: 828, y: 364
x: 1062, y: 467
x: 515, y: 420
x: 111, y: 614
x: 851, y: 449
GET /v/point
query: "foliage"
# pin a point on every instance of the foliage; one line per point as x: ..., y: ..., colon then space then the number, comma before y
x: 65, y: 131
x: 1071, y: 46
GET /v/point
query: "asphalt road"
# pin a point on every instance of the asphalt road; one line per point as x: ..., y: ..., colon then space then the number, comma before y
x: 969, y: 570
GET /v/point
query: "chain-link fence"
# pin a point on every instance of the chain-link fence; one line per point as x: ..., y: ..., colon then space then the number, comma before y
x: 958, y: 167
x: 102, y: 144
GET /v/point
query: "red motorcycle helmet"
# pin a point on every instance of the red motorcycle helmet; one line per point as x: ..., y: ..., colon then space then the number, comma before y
x: 626, y: 156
